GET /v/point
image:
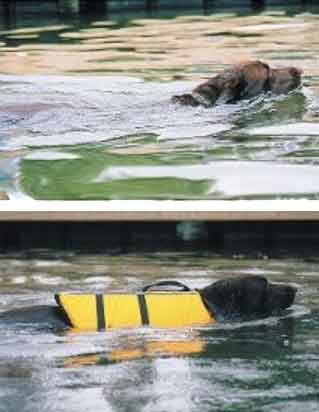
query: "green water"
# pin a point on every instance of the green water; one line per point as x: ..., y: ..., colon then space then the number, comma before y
x: 86, y: 113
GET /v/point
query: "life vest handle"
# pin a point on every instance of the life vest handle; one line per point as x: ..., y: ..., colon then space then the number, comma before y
x: 177, y: 284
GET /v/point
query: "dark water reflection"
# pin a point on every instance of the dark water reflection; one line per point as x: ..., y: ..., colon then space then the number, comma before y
x: 262, y: 365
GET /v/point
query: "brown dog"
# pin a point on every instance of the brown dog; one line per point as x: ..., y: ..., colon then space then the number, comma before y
x: 242, y: 81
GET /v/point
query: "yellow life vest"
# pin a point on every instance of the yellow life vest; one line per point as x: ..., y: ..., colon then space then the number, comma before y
x: 116, y: 310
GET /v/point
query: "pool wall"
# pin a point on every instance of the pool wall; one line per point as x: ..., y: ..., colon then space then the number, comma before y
x: 233, y: 238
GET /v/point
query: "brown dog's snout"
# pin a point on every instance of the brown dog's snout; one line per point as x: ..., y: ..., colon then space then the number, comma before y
x: 294, y: 71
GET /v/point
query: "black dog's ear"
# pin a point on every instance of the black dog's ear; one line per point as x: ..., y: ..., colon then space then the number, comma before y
x: 236, y: 297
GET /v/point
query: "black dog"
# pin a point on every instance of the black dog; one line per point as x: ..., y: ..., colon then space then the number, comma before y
x: 240, y: 298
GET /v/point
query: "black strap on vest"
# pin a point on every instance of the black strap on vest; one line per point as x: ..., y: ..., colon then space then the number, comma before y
x: 63, y: 313
x: 100, y: 312
x: 169, y: 283
x: 143, y: 309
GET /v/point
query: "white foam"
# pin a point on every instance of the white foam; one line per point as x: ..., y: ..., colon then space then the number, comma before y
x: 259, y: 178
x: 50, y: 155
x: 93, y: 109
x: 192, y: 131
x: 292, y: 129
x: 271, y: 27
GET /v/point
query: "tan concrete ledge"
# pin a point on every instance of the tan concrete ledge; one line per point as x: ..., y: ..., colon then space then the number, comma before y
x: 159, y: 211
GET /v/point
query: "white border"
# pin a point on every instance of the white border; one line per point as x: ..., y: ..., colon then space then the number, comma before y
x: 302, y: 205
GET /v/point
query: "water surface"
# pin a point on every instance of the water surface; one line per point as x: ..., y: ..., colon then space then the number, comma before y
x: 260, y: 365
x: 86, y: 112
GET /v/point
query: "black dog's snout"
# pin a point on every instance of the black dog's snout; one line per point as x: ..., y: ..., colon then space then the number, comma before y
x: 280, y: 297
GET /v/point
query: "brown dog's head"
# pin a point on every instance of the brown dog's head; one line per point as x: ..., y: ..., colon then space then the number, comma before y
x: 241, y: 81
x: 284, y: 80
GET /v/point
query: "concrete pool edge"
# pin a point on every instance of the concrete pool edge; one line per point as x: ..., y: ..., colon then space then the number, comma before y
x: 148, y: 210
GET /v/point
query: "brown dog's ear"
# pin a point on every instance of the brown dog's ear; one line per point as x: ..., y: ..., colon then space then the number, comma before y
x: 233, y: 83
x: 230, y: 92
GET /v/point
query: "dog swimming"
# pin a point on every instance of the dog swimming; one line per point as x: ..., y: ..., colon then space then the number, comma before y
x: 226, y: 300
x: 242, y: 81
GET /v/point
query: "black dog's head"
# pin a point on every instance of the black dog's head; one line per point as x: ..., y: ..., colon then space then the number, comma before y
x: 246, y: 297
